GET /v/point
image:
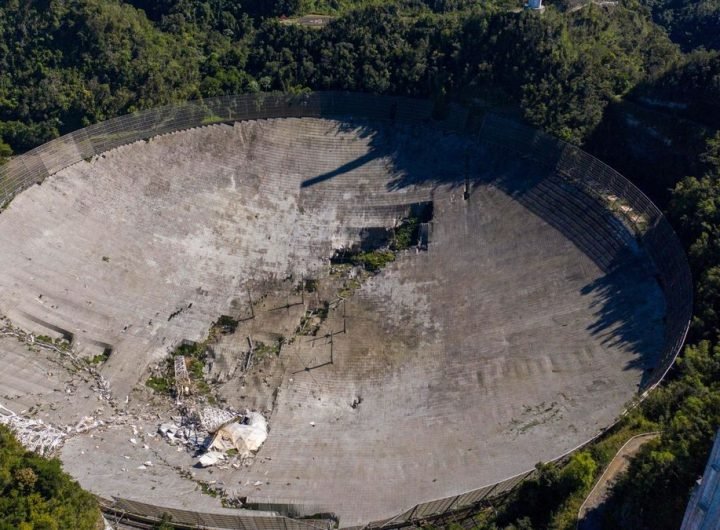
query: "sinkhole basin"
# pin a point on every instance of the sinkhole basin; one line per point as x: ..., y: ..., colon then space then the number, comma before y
x: 525, y: 313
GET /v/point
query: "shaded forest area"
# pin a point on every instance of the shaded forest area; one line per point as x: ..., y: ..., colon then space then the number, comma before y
x: 636, y: 83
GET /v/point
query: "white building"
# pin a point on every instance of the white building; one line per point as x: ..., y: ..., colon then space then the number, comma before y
x: 703, y: 511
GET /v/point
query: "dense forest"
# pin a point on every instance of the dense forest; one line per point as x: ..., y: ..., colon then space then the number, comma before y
x: 690, y: 23
x: 36, y: 494
x: 635, y: 81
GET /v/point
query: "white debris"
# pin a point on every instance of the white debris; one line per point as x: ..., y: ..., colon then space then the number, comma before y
x: 312, y: 424
x: 141, y: 467
x: 32, y: 434
x: 86, y: 424
x: 211, y: 458
x: 148, y: 463
x: 133, y: 441
x: 257, y: 483
x: 245, y: 437
x: 168, y: 429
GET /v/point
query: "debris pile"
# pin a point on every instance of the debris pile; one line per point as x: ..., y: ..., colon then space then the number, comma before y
x: 33, y: 434
x: 184, y: 434
x: 245, y: 437
x: 217, y: 433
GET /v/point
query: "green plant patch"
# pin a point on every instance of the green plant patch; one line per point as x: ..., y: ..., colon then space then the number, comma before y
x: 161, y: 385
x: 99, y: 358
x: 406, y: 235
x: 375, y: 260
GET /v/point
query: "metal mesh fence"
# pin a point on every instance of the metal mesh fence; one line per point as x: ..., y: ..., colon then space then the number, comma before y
x: 595, y: 180
x: 36, y: 165
x: 135, y: 513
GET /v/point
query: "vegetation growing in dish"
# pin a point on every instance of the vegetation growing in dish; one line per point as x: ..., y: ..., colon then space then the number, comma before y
x: 195, y: 353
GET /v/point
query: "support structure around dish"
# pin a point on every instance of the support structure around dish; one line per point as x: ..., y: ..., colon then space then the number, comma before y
x: 569, y: 165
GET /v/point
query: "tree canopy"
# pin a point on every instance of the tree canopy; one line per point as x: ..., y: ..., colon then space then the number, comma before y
x: 35, y: 494
x: 64, y: 65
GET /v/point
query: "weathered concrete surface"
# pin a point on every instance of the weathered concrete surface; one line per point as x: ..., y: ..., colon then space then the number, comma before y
x: 147, y: 471
x: 42, y: 385
x: 506, y: 343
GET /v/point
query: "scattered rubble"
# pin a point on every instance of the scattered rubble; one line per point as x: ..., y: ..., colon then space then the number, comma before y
x: 101, y: 386
x: 33, y: 434
x: 217, y: 433
x: 186, y: 435
x: 87, y: 423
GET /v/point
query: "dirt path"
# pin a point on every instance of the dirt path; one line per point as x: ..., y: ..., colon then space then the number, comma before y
x: 596, y: 2
x: 590, y: 513
x: 309, y: 21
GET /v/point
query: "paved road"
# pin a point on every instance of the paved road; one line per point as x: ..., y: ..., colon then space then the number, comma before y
x: 590, y: 514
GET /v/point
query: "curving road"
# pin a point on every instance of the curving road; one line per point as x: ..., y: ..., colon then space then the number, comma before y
x: 590, y: 513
